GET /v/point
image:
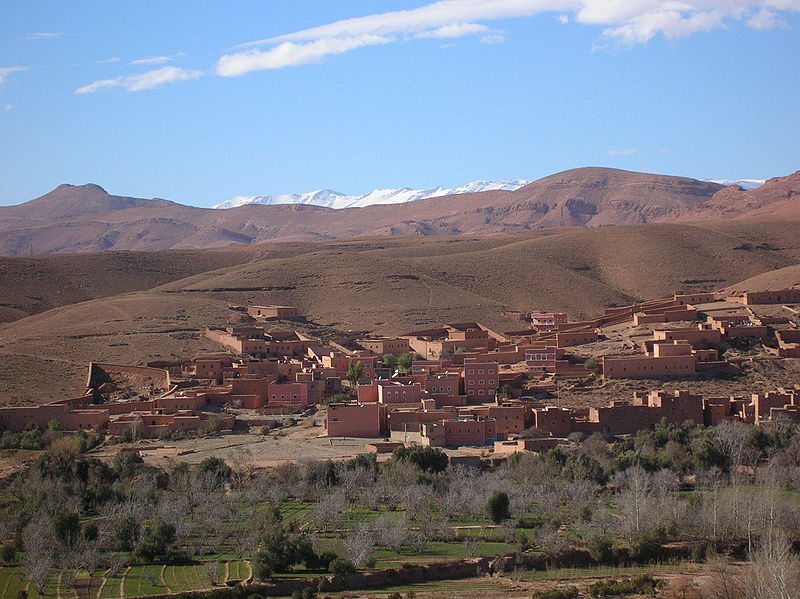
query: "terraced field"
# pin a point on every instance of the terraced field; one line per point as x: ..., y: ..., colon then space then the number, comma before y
x: 133, y: 582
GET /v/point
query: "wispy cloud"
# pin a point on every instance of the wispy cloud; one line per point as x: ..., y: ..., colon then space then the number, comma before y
x: 8, y: 108
x: 6, y: 71
x: 454, y: 30
x: 766, y: 19
x: 157, y: 59
x: 622, y: 151
x: 289, y: 54
x: 622, y: 21
x: 42, y: 35
x: 111, y: 60
x: 142, y: 81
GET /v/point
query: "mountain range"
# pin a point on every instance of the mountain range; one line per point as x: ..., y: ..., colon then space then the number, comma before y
x: 333, y: 199
x: 85, y: 218
x: 400, y: 195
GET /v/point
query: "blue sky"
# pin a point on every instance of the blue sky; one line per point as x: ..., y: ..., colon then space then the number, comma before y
x: 175, y: 100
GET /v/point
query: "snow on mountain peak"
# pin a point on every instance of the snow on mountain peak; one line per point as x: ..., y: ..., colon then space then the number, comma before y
x: 333, y: 199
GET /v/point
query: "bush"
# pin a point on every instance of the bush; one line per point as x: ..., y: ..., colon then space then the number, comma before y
x: 427, y: 459
x: 306, y: 593
x: 8, y: 553
x: 562, y: 593
x: 498, y: 507
x: 214, y: 467
x: 647, y: 546
x: 641, y: 585
x: 601, y: 548
x: 342, y: 567
x: 156, y: 540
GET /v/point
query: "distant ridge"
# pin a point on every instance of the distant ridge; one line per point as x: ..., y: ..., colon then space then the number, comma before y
x: 85, y: 218
x: 333, y: 199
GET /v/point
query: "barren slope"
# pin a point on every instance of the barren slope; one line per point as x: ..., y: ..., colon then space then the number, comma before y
x: 29, y: 285
x: 389, y: 286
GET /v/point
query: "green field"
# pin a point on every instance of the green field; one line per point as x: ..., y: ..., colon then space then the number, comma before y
x: 137, y: 581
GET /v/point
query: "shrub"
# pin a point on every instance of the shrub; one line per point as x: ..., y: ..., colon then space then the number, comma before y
x: 601, y: 548
x: 646, y: 546
x: 427, y: 459
x: 498, y: 507
x: 562, y: 593
x: 641, y: 585
x: 156, y: 540
x: 8, y: 553
x: 215, y: 467
x: 342, y: 567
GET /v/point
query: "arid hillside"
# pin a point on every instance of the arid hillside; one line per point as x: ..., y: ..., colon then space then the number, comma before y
x: 386, y: 285
x: 85, y: 218
x: 34, y: 284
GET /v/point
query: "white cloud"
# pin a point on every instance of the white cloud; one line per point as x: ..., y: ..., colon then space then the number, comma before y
x: 8, y: 108
x: 766, y: 19
x: 110, y: 60
x: 494, y: 37
x: 623, y: 21
x: 622, y: 152
x: 43, y: 35
x: 6, y: 71
x: 454, y: 30
x: 157, y: 59
x: 142, y: 81
x: 288, y: 54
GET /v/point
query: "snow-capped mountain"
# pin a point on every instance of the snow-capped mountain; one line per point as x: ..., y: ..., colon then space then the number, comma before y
x: 334, y: 199
x: 743, y: 183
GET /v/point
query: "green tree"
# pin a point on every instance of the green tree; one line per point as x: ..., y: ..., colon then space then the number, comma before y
x: 126, y: 534
x: 156, y: 540
x: 214, y: 467
x: 342, y: 567
x: 390, y: 361
x: 498, y: 507
x: 67, y: 526
x: 354, y: 372
x: 427, y: 459
x: 405, y: 361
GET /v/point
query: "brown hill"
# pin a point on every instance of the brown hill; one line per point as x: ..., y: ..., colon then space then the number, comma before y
x: 383, y: 285
x: 778, y: 198
x: 87, y: 219
x: 29, y: 285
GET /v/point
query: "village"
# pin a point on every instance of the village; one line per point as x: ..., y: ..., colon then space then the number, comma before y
x: 460, y: 385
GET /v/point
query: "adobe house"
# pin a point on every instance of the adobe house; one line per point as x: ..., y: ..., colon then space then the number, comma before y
x: 699, y: 337
x: 446, y: 340
x: 535, y: 445
x: 393, y: 392
x: 273, y: 312
x: 781, y: 296
x: 481, y: 380
x: 669, y: 360
x: 355, y: 420
x: 685, y: 299
x: 788, y: 343
x: 669, y: 315
x: 385, y: 345
x: 288, y: 395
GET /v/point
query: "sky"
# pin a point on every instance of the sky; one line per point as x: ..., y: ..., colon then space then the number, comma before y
x: 199, y: 101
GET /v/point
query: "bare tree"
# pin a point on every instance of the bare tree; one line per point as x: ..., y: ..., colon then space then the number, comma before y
x: 634, y: 499
x: 775, y: 571
x: 213, y: 570
x: 39, y: 540
x: 359, y: 546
